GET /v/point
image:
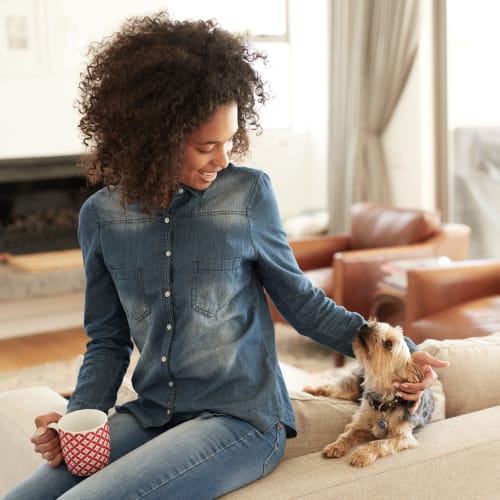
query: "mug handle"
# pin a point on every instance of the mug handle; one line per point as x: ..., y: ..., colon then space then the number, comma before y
x: 53, y: 425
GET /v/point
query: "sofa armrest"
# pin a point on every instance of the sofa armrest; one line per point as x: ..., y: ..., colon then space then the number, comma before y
x: 18, y: 409
x: 435, y: 289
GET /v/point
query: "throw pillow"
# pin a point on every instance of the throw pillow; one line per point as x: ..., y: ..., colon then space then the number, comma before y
x: 472, y: 381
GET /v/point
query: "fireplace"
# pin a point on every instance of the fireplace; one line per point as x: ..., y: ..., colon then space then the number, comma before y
x: 40, y: 199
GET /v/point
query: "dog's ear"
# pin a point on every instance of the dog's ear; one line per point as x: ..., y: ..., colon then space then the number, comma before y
x: 413, y: 372
x: 368, y: 325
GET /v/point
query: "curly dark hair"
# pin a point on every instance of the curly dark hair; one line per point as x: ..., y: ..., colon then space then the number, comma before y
x: 148, y: 87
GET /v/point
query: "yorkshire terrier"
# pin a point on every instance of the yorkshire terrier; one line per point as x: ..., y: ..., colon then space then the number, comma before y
x: 383, y: 420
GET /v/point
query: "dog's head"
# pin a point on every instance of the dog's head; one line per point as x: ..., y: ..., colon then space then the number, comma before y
x: 384, y: 355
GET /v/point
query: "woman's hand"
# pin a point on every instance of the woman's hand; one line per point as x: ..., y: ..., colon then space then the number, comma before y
x: 413, y: 392
x: 46, y: 440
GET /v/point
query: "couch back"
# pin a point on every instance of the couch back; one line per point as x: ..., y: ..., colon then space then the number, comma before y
x: 375, y: 226
x: 472, y: 381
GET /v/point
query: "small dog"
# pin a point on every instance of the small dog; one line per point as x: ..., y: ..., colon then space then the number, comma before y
x: 383, y: 419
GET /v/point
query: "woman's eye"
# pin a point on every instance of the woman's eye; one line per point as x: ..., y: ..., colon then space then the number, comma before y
x: 388, y: 345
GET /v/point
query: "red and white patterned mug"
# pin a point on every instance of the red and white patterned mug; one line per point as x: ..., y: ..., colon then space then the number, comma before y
x: 85, y: 444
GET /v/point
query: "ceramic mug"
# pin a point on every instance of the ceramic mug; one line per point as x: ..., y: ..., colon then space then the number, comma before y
x: 85, y: 444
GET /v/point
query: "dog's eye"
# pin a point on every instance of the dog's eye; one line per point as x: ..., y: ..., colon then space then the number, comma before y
x: 388, y: 345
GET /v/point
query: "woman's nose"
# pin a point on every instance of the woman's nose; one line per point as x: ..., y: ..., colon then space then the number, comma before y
x: 222, y: 158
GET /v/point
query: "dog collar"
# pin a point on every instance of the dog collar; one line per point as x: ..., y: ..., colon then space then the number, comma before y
x: 378, y: 405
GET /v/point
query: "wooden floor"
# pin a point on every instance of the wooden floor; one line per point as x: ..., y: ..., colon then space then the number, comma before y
x: 25, y: 351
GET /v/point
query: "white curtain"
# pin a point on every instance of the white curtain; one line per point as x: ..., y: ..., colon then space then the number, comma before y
x: 373, y: 45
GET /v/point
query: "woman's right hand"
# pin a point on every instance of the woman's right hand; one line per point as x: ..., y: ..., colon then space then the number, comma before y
x: 46, y: 440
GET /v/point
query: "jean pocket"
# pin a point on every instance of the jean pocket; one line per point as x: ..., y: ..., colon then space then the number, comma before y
x: 129, y: 284
x: 214, y: 284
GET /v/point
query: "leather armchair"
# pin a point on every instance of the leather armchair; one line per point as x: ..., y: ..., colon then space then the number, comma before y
x: 457, y: 301
x: 348, y: 267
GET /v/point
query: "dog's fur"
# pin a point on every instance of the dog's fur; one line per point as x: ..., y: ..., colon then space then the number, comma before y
x: 382, y: 421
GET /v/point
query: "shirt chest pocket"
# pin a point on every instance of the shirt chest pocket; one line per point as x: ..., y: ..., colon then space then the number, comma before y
x: 214, y: 284
x: 129, y: 284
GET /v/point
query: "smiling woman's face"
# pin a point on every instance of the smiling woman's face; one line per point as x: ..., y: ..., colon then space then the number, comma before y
x: 207, y: 149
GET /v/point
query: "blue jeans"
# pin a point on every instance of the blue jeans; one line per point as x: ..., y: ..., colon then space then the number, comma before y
x: 200, y: 458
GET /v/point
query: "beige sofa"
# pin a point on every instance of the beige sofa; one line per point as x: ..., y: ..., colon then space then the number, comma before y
x: 458, y: 456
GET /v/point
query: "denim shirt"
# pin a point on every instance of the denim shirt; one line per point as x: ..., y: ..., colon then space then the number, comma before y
x: 186, y: 286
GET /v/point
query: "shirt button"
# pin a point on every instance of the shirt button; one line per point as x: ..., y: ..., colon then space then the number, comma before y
x: 167, y: 293
x: 167, y: 220
x: 169, y: 412
x: 169, y: 327
x: 168, y: 253
x: 181, y: 190
x: 164, y: 359
x: 171, y: 384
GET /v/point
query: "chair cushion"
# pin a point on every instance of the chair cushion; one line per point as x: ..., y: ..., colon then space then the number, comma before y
x: 375, y: 226
x: 475, y: 318
x: 472, y: 381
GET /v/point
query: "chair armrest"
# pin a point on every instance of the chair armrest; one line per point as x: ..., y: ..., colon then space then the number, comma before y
x: 318, y: 251
x: 453, y: 241
x: 358, y: 272
x: 435, y: 289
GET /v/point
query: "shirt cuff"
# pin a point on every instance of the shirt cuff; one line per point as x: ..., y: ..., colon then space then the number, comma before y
x: 412, y: 346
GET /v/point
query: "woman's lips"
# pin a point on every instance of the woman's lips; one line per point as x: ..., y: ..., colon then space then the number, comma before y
x: 207, y: 176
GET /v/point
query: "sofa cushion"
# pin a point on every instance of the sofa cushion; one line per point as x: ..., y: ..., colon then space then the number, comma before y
x: 375, y: 226
x: 455, y: 459
x: 319, y: 420
x: 472, y: 381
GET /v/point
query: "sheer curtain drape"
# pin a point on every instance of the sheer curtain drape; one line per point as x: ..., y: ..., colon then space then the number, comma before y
x: 373, y: 45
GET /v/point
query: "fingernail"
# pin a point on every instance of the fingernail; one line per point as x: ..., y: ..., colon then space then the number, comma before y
x: 40, y: 430
x: 396, y: 385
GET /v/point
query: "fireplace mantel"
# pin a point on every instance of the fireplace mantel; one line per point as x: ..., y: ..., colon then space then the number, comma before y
x: 39, y: 168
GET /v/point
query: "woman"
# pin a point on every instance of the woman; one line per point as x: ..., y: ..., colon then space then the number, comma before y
x: 178, y: 247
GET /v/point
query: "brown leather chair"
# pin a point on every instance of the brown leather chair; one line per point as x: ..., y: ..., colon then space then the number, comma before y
x: 348, y: 267
x: 454, y: 302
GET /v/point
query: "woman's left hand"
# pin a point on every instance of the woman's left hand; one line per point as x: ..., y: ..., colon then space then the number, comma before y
x: 413, y: 392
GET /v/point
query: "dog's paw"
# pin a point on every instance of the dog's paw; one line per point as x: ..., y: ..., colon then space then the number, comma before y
x: 362, y: 457
x: 335, y: 450
x: 322, y: 390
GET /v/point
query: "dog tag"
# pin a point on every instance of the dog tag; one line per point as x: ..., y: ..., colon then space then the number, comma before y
x: 382, y: 424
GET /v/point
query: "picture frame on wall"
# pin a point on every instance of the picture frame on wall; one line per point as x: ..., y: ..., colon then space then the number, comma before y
x: 21, y: 42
